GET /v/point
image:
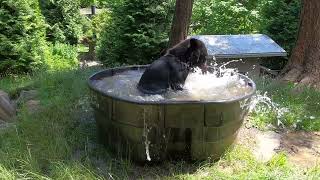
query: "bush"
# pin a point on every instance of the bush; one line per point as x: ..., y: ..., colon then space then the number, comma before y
x: 136, y: 32
x: 93, y: 27
x: 98, y: 3
x: 61, y: 57
x: 86, y: 3
x: 63, y: 19
x: 225, y: 16
x: 281, y: 21
x: 22, y: 36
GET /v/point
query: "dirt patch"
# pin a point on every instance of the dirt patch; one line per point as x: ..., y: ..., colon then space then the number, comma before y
x: 302, y: 148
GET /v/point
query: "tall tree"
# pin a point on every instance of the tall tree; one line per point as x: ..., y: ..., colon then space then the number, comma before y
x: 181, y: 21
x: 303, y: 66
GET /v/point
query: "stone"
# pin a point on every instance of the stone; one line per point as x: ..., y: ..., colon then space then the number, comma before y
x: 32, y: 106
x: 27, y: 95
x: 4, y: 125
x: 7, y: 109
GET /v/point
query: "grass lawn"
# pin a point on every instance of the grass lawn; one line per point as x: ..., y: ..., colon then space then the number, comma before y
x: 299, y: 111
x: 59, y: 141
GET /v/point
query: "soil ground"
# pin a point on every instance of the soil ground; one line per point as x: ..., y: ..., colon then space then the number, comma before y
x: 302, y: 148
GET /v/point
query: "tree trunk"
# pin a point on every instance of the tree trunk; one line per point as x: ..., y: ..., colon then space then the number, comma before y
x: 181, y: 21
x: 303, y: 66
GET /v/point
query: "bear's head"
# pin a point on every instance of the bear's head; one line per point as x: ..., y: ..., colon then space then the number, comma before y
x: 192, y: 52
x: 197, y: 54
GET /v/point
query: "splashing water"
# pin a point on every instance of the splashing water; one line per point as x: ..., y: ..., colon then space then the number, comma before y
x: 262, y: 103
x: 146, y: 131
x: 220, y: 84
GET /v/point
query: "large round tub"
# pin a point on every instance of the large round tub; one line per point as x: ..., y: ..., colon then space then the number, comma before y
x: 148, y: 130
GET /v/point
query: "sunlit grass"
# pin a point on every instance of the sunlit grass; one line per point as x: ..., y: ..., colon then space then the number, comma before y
x: 302, y: 107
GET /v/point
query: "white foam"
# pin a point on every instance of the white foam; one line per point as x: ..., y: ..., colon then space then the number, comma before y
x: 221, y: 84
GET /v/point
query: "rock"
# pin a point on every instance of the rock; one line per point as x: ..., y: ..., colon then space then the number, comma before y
x: 32, y: 106
x: 4, y: 125
x: 7, y: 109
x: 29, y: 100
x: 27, y: 95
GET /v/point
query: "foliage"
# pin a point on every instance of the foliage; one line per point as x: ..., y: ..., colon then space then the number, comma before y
x: 87, y: 3
x: 280, y: 20
x: 63, y: 19
x: 136, y: 32
x: 99, y: 22
x: 94, y: 27
x: 99, y: 3
x: 225, y: 16
x: 22, y: 36
x: 110, y: 3
x: 61, y: 57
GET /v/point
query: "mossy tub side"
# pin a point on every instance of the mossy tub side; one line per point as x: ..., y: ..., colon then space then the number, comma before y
x: 157, y: 130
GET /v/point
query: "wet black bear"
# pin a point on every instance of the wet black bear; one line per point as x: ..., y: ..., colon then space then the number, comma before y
x: 172, y: 69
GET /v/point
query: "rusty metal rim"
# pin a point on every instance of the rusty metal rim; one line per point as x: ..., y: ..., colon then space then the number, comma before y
x: 137, y: 67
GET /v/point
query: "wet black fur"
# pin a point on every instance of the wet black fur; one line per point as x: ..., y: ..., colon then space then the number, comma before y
x: 172, y: 69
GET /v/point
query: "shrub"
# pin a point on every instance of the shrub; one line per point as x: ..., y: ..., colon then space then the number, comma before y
x: 99, y: 3
x: 225, y: 16
x: 95, y: 26
x: 22, y: 36
x: 63, y: 19
x: 61, y: 57
x: 280, y: 20
x: 86, y: 3
x: 136, y: 32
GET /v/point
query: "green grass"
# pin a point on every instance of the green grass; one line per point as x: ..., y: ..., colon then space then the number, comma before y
x: 302, y: 107
x: 59, y: 141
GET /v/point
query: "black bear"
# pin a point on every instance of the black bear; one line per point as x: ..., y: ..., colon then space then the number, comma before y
x: 172, y: 69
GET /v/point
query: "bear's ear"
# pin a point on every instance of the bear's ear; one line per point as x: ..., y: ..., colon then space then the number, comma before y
x: 194, y: 43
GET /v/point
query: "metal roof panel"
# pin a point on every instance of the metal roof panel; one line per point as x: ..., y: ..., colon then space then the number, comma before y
x: 241, y: 46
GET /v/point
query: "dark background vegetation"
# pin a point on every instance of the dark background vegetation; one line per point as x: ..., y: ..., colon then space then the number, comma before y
x: 41, y: 34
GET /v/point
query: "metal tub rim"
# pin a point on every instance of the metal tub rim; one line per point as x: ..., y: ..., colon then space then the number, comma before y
x: 99, y: 74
